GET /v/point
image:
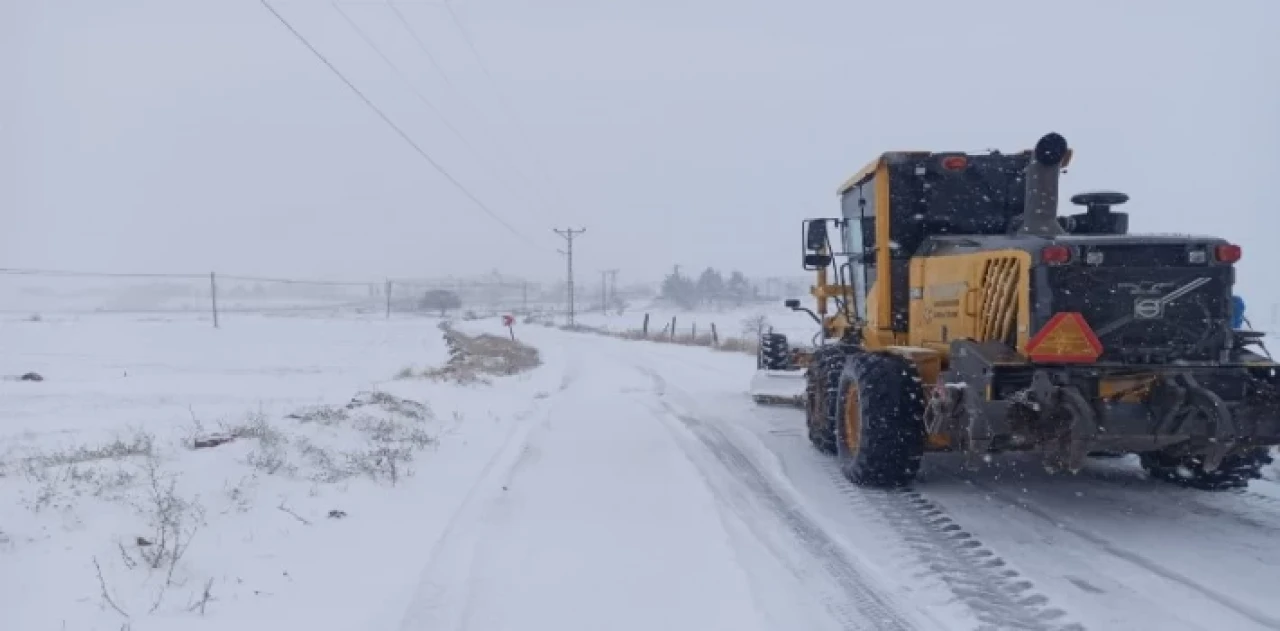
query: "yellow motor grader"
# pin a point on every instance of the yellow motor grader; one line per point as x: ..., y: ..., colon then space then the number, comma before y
x: 959, y: 312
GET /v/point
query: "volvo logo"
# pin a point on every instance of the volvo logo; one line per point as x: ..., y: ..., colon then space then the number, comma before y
x: 1148, y: 309
x: 1152, y: 308
x: 1145, y: 308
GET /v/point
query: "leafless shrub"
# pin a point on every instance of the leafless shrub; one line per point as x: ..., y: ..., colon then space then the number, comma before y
x: 270, y: 458
x: 84, y: 470
x: 239, y: 494
x: 202, y: 601
x: 198, y: 438
x: 322, y: 414
x: 289, y: 511
x: 327, y: 469
x: 400, y: 407
x: 391, y: 448
x: 105, y: 593
x: 172, y: 521
x: 98, y: 480
x: 139, y: 444
x: 754, y: 326
x: 271, y: 454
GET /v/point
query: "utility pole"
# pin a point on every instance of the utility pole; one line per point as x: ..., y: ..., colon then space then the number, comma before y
x: 604, y: 291
x: 610, y: 290
x: 569, y: 234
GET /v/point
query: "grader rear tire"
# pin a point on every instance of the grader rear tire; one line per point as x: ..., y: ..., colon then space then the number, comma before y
x: 1235, y: 471
x: 774, y: 353
x: 880, y: 431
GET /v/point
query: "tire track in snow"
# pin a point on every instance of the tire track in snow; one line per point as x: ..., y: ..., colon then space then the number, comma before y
x: 456, y: 543
x: 861, y: 603
x: 997, y: 594
x: 1142, y: 561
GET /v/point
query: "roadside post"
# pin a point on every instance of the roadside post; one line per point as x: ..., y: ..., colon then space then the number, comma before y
x: 510, y: 322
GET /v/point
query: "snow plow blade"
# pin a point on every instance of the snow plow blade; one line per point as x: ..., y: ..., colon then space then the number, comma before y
x: 778, y: 387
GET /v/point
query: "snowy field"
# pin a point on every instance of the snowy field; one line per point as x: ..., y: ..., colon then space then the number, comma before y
x: 730, y: 321
x: 618, y: 485
x: 297, y: 519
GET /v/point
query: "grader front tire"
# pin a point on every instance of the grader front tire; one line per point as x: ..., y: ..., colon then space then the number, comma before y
x: 880, y: 431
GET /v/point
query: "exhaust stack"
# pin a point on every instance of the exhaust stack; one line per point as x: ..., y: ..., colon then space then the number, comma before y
x: 1040, y: 214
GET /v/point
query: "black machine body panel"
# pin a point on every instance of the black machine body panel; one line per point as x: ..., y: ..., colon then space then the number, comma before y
x: 1149, y: 299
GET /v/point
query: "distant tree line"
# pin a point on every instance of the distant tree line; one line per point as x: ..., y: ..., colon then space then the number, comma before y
x: 709, y: 289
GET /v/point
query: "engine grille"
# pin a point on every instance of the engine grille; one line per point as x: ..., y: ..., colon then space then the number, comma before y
x: 1148, y: 314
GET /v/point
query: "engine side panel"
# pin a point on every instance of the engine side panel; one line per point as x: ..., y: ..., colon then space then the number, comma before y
x: 980, y: 296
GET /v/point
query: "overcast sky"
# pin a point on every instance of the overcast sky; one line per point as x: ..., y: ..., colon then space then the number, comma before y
x: 188, y: 135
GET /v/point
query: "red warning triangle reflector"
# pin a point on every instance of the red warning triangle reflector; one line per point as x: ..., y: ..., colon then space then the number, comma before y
x: 1065, y: 339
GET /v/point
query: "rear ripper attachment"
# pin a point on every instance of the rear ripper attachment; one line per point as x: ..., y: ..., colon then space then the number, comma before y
x: 970, y: 317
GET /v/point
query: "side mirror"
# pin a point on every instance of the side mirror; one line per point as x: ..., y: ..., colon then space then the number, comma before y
x: 792, y: 304
x: 816, y: 261
x: 816, y: 237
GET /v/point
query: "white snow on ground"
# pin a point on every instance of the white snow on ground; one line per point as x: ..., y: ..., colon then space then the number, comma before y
x: 619, y: 485
x: 77, y: 484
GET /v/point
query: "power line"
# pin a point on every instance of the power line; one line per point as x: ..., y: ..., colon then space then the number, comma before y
x: 413, y: 33
x: 295, y: 281
x: 48, y: 272
x: 524, y: 134
x: 390, y: 123
x: 421, y: 97
x: 569, y: 234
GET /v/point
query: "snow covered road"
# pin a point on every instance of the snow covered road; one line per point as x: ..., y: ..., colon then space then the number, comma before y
x: 618, y: 511
x: 653, y: 494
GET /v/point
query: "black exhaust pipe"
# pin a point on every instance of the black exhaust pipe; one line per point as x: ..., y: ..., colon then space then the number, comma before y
x: 1040, y: 213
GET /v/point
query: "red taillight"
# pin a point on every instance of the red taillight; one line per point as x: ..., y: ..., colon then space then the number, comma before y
x: 1227, y: 253
x: 955, y: 163
x: 1055, y: 254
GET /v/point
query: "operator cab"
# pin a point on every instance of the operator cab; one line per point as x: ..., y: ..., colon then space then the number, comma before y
x: 928, y: 194
x: 934, y: 199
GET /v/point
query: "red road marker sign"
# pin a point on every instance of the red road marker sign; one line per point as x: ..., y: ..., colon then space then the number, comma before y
x: 509, y: 322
